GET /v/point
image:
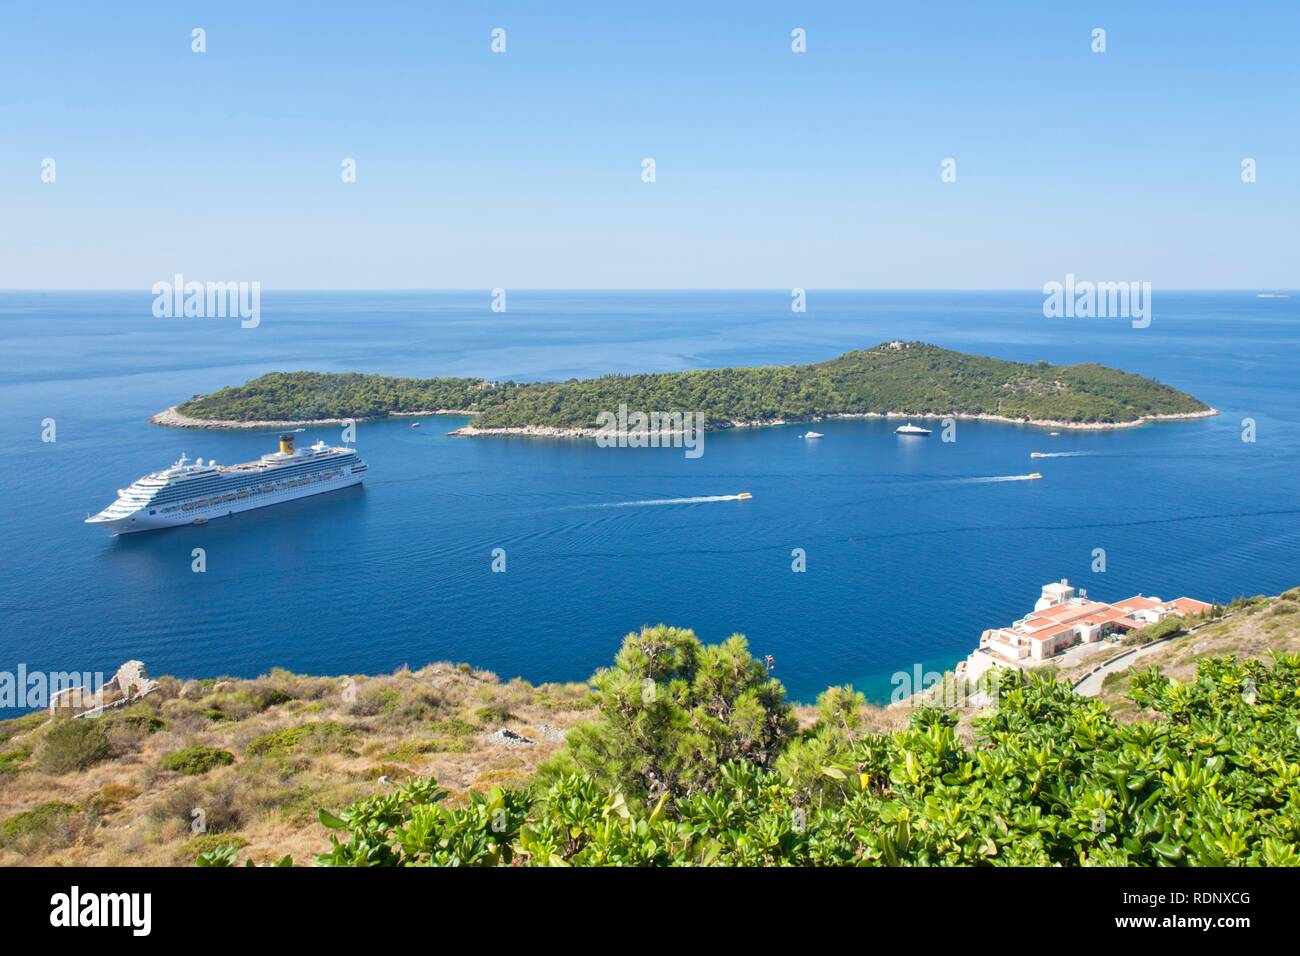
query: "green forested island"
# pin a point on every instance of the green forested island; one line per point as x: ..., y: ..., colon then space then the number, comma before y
x: 908, y: 378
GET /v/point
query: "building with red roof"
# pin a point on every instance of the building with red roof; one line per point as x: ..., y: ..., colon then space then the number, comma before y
x: 1064, y: 616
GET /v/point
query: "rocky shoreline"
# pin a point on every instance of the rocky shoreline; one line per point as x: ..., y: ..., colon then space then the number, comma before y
x: 171, y: 418
x: 553, y: 431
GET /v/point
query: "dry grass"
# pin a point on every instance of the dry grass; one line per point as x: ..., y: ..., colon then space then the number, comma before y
x: 1255, y: 632
x: 302, y: 743
x: 317, y: 742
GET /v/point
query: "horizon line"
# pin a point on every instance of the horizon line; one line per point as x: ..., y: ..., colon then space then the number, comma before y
x: 643, y: 289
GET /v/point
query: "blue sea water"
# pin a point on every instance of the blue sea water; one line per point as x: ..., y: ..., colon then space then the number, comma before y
x: 911, y: 549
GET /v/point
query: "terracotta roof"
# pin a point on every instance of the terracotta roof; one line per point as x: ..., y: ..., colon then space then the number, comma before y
x: 1052, y: 622
x: 1047, y: 635
x: 1138, y: 603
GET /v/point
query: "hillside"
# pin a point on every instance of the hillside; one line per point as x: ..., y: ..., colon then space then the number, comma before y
x: 276, y: 762
x: 259, y: 757
x: 897, y: 378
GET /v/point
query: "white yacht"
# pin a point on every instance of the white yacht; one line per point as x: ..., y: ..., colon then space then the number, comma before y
x: 812, y: 435
x: 189, y: 493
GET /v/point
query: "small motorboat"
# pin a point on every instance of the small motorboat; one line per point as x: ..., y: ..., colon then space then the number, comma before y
x: 1033, y: 476
x: 1053, y: 434
x: 910, y: 429
x: 415, y: 424
x: 812, y: 435
x: 744, y: 495
x: 1036, y: 454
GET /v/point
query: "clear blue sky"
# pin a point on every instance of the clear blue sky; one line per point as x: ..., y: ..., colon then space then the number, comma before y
x: 775, y: 170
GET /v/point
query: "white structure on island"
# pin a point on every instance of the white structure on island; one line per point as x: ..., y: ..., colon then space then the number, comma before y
x: 1063, y: 616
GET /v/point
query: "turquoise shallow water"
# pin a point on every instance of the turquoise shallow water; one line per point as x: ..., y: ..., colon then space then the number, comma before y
x: 911, y: 549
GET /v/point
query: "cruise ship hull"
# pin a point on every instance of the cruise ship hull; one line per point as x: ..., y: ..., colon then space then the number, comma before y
x: 143, y: 521
x: 196, y: 493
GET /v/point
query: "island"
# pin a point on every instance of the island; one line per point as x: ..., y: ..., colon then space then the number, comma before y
x: 893, y: 379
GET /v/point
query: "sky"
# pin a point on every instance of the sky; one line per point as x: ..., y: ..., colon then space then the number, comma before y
x: 773, y: 169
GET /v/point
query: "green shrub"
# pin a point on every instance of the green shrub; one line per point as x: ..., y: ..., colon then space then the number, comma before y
x: 141, y: 719
x: 455, y: 727
x: 12, y: 761
x: 21, y: 725
x: 382, y: 700
x: 494, y: 714
x: 207, y: 842
x: 408, y: 750
x: 313, y: 737
x: 48, y: 826
x: 270, y: 697
x: 74, y: 744
x: 196, y: 760
x: 1154, y: 632
x: 673, y: 712
x: 1054, y: 780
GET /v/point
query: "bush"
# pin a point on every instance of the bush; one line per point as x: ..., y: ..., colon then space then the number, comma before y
x: 494, y: 714
x: 140, y: 719
x: 74, y: 744
x: 1055, y: 780
x: 217, y: 803
x: 12, y: 761
x: 673, y: 712
x: 207, y: 842
x: 1154, y: 632
x: 270, y: 697
x: 21, y: 725
x: 373, y: 701
x: 111, y: 796
x: 196, y: 760
x: 45, y: 827
x: 313, y: 737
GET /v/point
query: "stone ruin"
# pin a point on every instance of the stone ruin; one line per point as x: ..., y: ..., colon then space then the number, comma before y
x: 130, y: 682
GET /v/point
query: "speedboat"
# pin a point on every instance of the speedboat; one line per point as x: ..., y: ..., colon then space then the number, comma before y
x: 1036, y: 454
x: 910, y: 429
x: 744, y: 495
x: 1033, y: 476
x: 812, y: 435
x: 415, y: 424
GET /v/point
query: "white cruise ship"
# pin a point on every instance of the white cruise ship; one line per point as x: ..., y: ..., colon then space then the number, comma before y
x: 194, y: 493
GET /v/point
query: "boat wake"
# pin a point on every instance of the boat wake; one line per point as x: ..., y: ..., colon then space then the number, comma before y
x: 701, y: 499
x: 1060, y: 454
x: 981, y: 481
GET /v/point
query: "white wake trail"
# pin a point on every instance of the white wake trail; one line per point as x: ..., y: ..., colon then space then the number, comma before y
x: 667, y: 501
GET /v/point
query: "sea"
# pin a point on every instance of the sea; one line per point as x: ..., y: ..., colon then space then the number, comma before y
x: 862, y: 558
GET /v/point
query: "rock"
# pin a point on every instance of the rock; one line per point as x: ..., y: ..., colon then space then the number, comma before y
x: 551, y: 732
x: 509, y: 738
